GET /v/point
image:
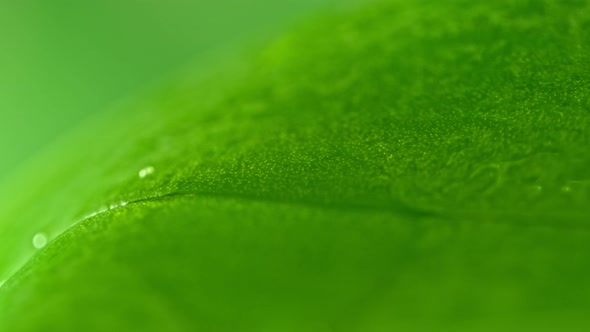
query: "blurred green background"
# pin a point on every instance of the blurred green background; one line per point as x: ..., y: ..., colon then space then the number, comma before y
x: 61, y: 61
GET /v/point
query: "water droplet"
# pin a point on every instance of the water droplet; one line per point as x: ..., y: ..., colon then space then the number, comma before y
x: 146, y: 171
x: 537, y: 188
x: 566, y: 189
x: 113, y: 206
x: 39, y: 240
x: 123, y: 203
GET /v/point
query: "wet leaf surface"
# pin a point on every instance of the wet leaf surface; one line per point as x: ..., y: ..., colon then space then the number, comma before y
x: 407, y: 165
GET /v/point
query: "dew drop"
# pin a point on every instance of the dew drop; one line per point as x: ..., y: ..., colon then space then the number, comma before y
x: 566, y: 189
x: 146, y: 171
x: 113, y: 206
x: 123, y: 203
x: 39, y: 240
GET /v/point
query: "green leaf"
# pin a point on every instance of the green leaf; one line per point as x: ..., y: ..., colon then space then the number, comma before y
x: 411, y: 166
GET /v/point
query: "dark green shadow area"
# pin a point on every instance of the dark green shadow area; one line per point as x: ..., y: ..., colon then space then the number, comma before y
x: 222, y: 264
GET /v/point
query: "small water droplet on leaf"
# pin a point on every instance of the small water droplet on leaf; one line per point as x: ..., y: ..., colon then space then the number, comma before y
x: 146, y: 171
x: 39, y: 240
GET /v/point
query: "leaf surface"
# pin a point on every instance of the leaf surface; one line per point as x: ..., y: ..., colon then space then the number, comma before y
x: 406, y: 165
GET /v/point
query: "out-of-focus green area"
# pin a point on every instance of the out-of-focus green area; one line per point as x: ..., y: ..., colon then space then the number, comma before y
x: 61, y: 61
